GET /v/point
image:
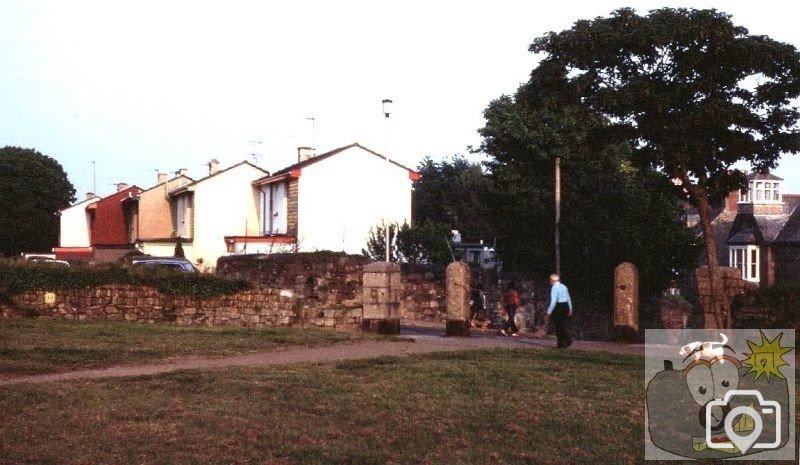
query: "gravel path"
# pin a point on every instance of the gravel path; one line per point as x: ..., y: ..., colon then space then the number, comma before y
x: 420, y: 338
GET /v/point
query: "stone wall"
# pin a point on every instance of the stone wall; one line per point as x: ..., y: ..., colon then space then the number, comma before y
x: 256, y: 308
x: 327, y: 279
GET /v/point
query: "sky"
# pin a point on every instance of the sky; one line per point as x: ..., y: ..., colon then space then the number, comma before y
x: 116, y: 91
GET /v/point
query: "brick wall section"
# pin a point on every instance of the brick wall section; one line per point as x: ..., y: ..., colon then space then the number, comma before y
x: 291, y: 207
x: 255, y: 308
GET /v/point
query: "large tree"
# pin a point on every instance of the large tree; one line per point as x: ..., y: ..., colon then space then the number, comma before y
x: 612, y: 210
x: 33, y: 188
x: 454, y: 193
x: 693, y: 93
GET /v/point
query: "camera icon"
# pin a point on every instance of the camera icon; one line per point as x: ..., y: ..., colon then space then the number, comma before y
x: 749, y: 421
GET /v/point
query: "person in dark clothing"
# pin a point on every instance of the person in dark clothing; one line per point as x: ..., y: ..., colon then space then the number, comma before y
x: 510, y: 304
x: 476, y: 306
x: 560, y: 311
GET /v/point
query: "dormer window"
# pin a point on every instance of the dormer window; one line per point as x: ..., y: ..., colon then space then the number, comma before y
x: 762, y: 191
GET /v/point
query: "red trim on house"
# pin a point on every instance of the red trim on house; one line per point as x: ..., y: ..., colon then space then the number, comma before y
x: 293, y: 174
x: 414, y: 176
x: 72, y: 252
x: 260, y: 239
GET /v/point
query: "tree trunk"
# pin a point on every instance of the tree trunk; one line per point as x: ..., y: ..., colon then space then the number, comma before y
x: 717, y: 314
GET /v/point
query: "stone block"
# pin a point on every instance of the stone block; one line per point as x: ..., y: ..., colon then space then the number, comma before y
x: 375, y: 311
x: 457, y: 282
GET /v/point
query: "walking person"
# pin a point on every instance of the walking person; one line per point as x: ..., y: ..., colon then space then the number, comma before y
x: 510, y: 304
x: 477, y: 307
x: 560, y: 311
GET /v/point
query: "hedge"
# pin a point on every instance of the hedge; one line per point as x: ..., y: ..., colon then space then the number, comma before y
x: 782, y: 301
x: 17, y: 277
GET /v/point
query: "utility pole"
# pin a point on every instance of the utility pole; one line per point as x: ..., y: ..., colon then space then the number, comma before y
x: 313, y: 120
x: 94, y: 177
x: 387, y: 105
x: 558, y: 215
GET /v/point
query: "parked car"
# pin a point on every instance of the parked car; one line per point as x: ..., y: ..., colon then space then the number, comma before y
x: 45, y: 260
x: 163, y: 263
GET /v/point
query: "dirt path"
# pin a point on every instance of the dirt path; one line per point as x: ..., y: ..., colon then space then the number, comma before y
x: 419, y: 339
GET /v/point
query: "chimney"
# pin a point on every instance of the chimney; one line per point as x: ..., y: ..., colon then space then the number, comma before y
x: 90, y: 195
x: 182, y: 172
x: 213, y: 166
x: 121, y: 186
x: 162, y: 178
x: 732, y: 202
x: 304, y: 153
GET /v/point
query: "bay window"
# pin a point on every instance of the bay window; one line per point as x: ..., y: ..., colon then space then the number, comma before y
x: 746, y: 260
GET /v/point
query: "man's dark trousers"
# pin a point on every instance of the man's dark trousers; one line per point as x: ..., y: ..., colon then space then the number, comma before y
x: 561, y: 321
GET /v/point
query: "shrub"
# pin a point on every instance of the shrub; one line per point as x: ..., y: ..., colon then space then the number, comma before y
x: 782, y: 301
x: 17, y: 277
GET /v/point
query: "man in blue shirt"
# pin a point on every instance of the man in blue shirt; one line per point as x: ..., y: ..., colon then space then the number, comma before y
x: 560, y: 310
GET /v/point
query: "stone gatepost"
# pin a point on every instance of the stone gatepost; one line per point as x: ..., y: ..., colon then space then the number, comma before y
x: 626, y: 302
x: 382, y: 288
x: 457, y: 280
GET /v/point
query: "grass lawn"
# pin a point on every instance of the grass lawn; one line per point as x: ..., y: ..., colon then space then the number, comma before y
x: 29, y: 346
x: 478, y: 407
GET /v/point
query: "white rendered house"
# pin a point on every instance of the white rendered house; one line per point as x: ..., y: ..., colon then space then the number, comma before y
x: 329, y: 202
x: 75, y: 240
x: 208, y: 210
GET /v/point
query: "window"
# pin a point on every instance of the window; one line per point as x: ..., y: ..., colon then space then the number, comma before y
x: 746, y: 260
x: 762, y: 192
x: 274, y: 207
x: 183, y: 215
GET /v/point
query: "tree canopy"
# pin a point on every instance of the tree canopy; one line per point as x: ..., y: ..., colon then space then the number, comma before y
x: 691, y: 92
x: 612, y: 209
x: 33, y: 188
x: 454, y: 193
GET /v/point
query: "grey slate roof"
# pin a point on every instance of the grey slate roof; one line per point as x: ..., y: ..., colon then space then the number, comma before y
x: 765, y: 229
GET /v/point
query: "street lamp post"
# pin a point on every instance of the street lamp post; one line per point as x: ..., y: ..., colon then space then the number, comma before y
x: 387, y: 109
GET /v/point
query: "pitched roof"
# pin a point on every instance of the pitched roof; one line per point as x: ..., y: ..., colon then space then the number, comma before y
x: 748, y: 228
x: 169, y: 181
x: 329, y: 154
x: 763, y: 177
x: 185, y: 188
x: 791, y: 230
x: 88, y: 199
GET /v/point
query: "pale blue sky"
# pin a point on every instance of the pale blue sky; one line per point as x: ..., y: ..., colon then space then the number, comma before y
x: 162, y: 85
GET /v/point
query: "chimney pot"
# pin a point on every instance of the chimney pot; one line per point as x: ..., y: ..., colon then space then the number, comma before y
x: 182, y: 172
x: 213, y: 166
x: 90, y: 195
x: 121, y: 186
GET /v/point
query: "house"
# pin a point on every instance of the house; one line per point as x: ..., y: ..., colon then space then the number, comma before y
x: 206, y: 211
x: 111, y: 224
x: 74, y: 237
x: 98, y: 229
x: 328, y: 202
x: 155, y: 229
x: 758, y: 232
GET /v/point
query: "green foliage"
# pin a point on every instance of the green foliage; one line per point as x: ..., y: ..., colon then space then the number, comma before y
x: 692, y: 93
x: 17, y: 277
x: 612, y: 209
x: 33, y: 188
x: 426, y: 243
x: 454, y: 193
